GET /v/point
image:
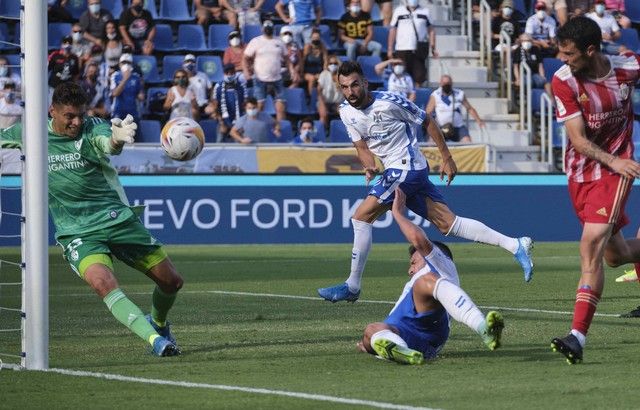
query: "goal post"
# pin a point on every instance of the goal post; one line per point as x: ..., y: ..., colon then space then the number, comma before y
x: 35, y: 246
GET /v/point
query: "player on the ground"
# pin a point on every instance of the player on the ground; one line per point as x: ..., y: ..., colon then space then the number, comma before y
x: 418, y: 325
x: 385, y: 125
x: 593, y: 99
x: 92, y: 216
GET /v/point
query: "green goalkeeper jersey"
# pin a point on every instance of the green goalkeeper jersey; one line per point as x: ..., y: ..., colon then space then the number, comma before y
x: 85, y: 194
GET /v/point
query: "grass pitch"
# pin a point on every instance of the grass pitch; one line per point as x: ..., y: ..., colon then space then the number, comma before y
x: 236, y: 333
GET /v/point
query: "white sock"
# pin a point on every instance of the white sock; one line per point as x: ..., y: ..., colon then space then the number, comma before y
x: 359, y: 253
x: 582, y: 339
x: 458, y: 304
x: 389, y: 335
x: 478, y: 232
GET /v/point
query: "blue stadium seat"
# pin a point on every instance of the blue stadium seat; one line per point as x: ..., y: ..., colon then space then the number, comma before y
x: 535, y: 100
x: 4, y: 36
x: 218, y: 36
x: 152, y: 94
x: 210, y: 128
x: 296, y: 101
x: 556, y: 135
x: 269, y: 106
x: 191, y: 37
x: 320, y: 131
x: 632, y: 8
x: 381, y: 35
x: 551, y: 65
x: 422, y: 97
x: 149, y: 131
x: 325, y: 35
x: 14, y: 60
x: 10, y: 8
x: 332, y: 10
x: 212, y: 66
x: 175, y: 10
x: 114, y: 6
x: 520, y: 6
x: 368, y: 63
x: 149, y: 67
x: 629, y: 39
x: 636, y: 103
x: 163, y: 40
x: 338, y: 132
x: 269, y: 7
x: 76, y: 7
x: 169, y: 66
x: 55, y: 33
x: 375, y: 13
x: 636, y: 137
x: 286, y: 133
x: 249, y: 32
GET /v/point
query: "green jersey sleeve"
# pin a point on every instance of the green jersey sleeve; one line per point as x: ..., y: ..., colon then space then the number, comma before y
x: 11, y: 137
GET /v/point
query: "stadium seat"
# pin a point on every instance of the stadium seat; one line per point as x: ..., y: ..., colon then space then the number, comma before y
x: 249, y: 32
x: 114, y: 6
x: 636, y: 135
x: 218, y: 36
x: 212, y: 66
x: 55, y: 33
x: 520, y: 6
x: 76, y: 7
x: 149, y: 67
x: 269, y: 106
x: 536, y: 93
x: 556, y: 134
x: 149, y: 131
x: 163, y: 40
x: 269, y: 7
x: 286, y: 133
x: 191, y: 37
x: 632, y: 8
x: 154, y: 94
x: 14, y: 60
x: 4, y: 36
x: 332, y: 10
x: 551, y: 65
x: 381, y: 35
x: 210, y: 128
x: 338, y: 132
x: 296, y: 101
x: 422, y: 97
x: 629, y: 39
x: 325, y: 35
x: 375, y: 13
x: 175, y: 10
x: 10, y: 8
x: 169, y: 66
x: 320, y: 132
x: 368, y: 63
x: 636, y: 102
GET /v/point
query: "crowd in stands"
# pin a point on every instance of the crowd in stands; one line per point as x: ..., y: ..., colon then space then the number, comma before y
x: 218, y: 61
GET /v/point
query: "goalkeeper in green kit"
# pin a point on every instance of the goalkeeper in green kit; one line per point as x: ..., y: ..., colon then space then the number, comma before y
x: 92, y: 216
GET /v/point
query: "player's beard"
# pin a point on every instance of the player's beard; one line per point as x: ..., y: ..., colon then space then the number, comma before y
x: 360, y: 100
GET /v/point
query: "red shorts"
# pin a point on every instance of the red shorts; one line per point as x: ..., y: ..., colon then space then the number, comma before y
x: 602, y: 201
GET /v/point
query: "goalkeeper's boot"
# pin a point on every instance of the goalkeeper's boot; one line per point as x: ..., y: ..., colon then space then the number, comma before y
x: 389, y: 350
x: 163, y: 347
x: 628, y: 276
x: 492, y: 335
x: 523, y: 256
x: 634, y: 313
x: 337, y: 293
x: 569, y: 347
x: 164, y: 331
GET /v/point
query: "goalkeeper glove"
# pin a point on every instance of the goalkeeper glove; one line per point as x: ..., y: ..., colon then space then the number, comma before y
x: 123, y: 131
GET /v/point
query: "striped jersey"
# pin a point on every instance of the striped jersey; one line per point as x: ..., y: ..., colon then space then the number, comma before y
x: 390, y: 127
x: 605, y: 105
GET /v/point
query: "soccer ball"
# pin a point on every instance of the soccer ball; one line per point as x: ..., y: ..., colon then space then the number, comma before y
x: 182, y: 139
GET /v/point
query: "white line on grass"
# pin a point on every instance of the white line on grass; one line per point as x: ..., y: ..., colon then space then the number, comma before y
x: 305, y: 396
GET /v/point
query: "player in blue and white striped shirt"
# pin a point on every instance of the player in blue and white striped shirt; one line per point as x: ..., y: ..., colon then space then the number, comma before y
x: 386, y: 125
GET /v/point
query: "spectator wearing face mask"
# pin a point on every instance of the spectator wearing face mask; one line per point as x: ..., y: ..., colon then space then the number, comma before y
x: 307, y: 133
x: 314, y: 59
x: 198, y: 82
x: 10, y: 105
x: 254, y: 126
x: 355, y: 30
x: 7, y: 74
x: 397, y: 79
x: 95, y: 90
x: 227, y: 102
x: 127, y: 90
x: 292, y: 66
x: 181, y: 100
x: 79, y: 46
x: 530, y: 53
x: 542, y: 29
x: 609, y: 28
x: 137, y: 28
x: 93, y: 20
x: 63, y: 65
x: 112, y: 43
x: 235, y: 52
x: 507, y: 22
x: 329, y: 95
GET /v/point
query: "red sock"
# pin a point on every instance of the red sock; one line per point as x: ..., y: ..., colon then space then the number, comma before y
x: 583, y: 310
x: 637, y: 266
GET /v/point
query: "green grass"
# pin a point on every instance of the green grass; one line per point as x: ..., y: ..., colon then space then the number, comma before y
x: 308, y: 346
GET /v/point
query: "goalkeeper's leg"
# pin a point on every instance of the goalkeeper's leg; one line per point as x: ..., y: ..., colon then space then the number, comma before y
x: 168, y: 282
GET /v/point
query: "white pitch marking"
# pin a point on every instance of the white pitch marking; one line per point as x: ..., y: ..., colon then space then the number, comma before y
x: 297, y: 395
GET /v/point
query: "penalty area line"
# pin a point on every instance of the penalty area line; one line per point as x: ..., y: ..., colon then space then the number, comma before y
x: 284, y: 393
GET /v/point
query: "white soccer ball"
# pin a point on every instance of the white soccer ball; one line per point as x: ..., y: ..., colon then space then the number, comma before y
x: 182, y: 139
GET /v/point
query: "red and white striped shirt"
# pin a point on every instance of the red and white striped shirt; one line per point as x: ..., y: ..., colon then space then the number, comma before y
x: 605, y: 105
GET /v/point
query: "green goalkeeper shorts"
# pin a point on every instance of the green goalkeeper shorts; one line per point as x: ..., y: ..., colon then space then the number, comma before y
x: 128, y: 241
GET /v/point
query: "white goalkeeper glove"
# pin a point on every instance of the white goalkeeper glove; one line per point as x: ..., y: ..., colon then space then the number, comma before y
x: 123, y: 131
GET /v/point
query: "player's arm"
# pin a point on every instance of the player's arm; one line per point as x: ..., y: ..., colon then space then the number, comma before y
x: 448, y: 164
x: 367, y: 159
x: 578, y: 137
x: 414, y: 234
x: 11, y: 137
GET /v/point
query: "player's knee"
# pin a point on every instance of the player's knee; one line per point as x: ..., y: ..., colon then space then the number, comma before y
x: 614, y: 259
